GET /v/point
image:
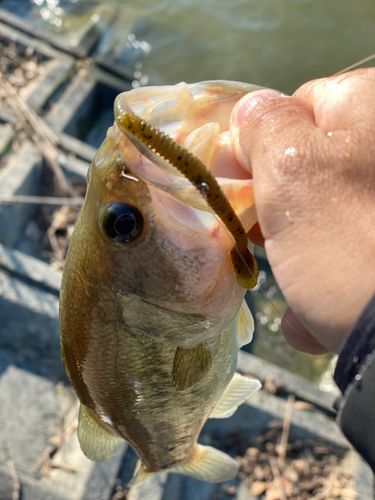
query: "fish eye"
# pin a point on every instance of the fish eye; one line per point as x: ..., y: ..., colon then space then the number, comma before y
x: 123, y: 223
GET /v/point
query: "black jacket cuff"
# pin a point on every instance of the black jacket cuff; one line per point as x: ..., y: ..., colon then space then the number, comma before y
x: 359, y: 344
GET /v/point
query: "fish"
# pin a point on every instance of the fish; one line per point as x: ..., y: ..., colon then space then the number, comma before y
x: 151, y: 312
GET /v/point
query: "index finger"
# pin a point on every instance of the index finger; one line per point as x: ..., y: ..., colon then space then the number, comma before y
x: 341, y: 101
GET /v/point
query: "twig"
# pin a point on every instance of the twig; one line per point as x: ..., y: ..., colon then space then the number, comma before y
x: 45, y: 463
x: 60, y: 465
x: 268, y: 435
x: 41, y: 134
x: 276, y: 475
x: 40, y: 200
x: 16, y: 487
x: 29, y: 113
x: 286, y: 429
x: 70, y: 429
x: 329, y: 485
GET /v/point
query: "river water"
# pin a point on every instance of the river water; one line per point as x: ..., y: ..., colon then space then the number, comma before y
x: 274, y: 43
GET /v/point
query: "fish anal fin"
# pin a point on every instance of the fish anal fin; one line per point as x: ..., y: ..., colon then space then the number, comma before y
x: 209, y: 464
x: 190, y: 365
x: 245, y: 325
x: 239, y: 389
x: 97, y: 441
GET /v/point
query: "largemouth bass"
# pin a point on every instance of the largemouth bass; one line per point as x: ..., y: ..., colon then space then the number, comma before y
x: 151, y: 313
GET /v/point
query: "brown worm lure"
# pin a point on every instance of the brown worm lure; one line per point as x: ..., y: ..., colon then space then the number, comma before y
x: 197, y: 173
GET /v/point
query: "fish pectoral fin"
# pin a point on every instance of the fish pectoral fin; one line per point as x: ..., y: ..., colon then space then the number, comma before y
x: 97, y: 441
x: 190, y: 365
x: 239, y: 389
x: 245, y: 325
x: 209, y: 464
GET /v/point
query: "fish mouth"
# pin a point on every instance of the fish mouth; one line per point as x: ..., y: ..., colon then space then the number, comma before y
x: 197, y: 117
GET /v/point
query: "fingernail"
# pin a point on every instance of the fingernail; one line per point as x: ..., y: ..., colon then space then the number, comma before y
x: 238, y: 114
x: 249, y: 101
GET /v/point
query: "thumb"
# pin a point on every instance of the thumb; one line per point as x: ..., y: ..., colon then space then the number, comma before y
x: 265, y: 122
x: 274, y: 137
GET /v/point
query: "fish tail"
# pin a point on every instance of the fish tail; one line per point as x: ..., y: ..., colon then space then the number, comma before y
x: 207, y: 464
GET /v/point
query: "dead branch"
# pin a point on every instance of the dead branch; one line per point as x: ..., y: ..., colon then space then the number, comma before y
x: 277, y: 476
x: 40, y: 200
x: 286, y: 429
x: 45, y: 463
x: 16, y: 485
x: 43, y: 137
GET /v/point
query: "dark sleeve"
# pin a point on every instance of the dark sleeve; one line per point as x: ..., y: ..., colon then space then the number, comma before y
x: 355, y: 377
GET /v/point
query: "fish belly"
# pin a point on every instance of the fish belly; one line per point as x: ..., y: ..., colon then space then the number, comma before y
x: 129, y: 378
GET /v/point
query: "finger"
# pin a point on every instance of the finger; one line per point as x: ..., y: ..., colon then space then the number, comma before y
x: 340, y: 102
x: 276, y: 142
x: 262, y: 121
x: 298, y: 336
x: 239, y: 115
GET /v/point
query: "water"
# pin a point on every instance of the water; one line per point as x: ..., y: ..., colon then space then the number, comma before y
x: 268, y: 305
x: 279, y: 44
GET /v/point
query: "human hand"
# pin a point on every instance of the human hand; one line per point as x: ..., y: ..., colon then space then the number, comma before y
x: 312, y: 158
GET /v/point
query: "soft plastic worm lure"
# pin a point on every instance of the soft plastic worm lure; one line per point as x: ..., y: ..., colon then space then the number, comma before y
x: 193, y: 169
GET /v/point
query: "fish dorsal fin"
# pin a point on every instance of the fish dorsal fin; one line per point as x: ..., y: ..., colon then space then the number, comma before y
x: 97, y: 441
x: 245, y: 325
x: 190, y: 365
x: 239, y: 389
x: 209, y: 464
x: 202, y: 141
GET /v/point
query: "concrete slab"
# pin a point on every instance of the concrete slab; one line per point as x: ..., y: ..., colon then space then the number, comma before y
x: 32, y: 408
x: 285, y: 381
x: 7, y: 134
x: 28, y: 408
x: 20, y: 176
x: 74, y: 167
x: 6, y: 116
x: 84, y: 112
x: 152, y: 488
x: 30, y: 270
x: 29, y: 323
